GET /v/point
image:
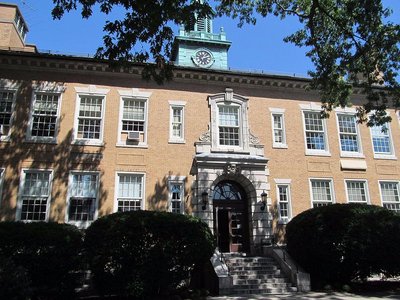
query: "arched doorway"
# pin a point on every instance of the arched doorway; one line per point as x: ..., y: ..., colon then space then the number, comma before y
x: 230, y: 217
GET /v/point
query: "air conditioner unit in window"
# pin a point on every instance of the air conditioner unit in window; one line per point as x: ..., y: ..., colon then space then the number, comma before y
x: 133, y: 136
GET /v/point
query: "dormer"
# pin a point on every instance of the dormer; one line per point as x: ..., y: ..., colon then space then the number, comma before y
x: 13, y: 29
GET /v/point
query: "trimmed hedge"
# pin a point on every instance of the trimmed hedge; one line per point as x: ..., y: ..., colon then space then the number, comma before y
x: 45, y: 256
x: 146, y: 253
x: 343, y: 242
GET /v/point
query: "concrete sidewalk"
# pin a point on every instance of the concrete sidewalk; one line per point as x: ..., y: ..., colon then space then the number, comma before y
x: 314, y: 295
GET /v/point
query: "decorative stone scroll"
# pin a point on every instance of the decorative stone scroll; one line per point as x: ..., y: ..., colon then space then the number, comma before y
x: 206, y: 137
x: 253, y: 139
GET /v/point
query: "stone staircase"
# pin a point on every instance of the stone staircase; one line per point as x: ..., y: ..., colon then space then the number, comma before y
x: 256, y: 275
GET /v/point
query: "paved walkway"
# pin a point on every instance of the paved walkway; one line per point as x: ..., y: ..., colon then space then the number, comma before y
x: 313, y: 295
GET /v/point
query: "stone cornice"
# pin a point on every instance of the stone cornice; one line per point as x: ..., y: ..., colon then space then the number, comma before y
x: 71, y: 64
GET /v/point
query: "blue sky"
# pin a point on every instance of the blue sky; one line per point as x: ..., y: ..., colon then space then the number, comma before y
x: 254, y: 48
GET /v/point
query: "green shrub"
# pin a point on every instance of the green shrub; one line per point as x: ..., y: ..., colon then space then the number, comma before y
x: 145, y: 253
x: 343, y: 242
x: 48, y: 254
x: 14, y: 281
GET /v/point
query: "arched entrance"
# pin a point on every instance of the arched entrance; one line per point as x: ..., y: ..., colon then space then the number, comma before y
x: 230, y: 211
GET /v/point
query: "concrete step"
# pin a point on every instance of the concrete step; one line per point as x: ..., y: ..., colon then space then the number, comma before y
x: 258, y: 276
x: 263, y: 286
x: 260, y: 280
x: 255, y: 272
x: 264, y: 291
x: 253, y: 268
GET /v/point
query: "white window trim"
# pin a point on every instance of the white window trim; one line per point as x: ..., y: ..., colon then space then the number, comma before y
x: 281, y: 112
x: 9, y: 86
x: 20, y: 192
x: 314, y: 109
x: 116, y: 184
x: 2, y: 170
x: 324, y: 179
x: 82, y: 224
x: 349, y: 153
x: 134, y: 94
x: 50, y: 140
x: 387, y: 180
x: 392, y: 155
x: 91, y: 91
x: 368, y: 201
x: 179, y: 105
x: 285, y: 182
x: 176, y: 180
x: 229, y: 98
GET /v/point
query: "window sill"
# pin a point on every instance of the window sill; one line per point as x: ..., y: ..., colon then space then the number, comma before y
x: 143, y: 146
x: 283, y: 222
x: 88, y: 143
x: 317, y: 153
x: 352, y: 155
x: 5, y: 138
x: 41, y: 141
x: 176, y: 142
x: 279, y: 146
x: 80, y: 224
x: 385, y: 156
x: 230, y: 150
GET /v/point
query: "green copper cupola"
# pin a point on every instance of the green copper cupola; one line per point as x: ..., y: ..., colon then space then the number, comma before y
x: 200, y: 47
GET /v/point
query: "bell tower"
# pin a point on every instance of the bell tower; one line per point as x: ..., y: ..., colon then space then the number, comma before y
x: 200, y: 47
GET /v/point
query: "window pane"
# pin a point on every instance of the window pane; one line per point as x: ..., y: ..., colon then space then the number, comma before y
x: 84, y: 185
x: 278, y: 128
x: 176, y: 197
x: 381, y: 139
x: 315, y: 135
x: 35, y: 194
x: 6, y: 102
x: 130, y: 192
x: 321, y: 192
x: 90, y: 107
x: 283, y: 202
x: 228, y: 116
x: 348, y: 133
x: 229, y: 136
x: 134, y: 109
x: 390, y: 195
x: 356, y: 191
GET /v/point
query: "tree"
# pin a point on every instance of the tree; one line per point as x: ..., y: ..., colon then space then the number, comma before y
x: 350, y: 42
x: 340, y: 243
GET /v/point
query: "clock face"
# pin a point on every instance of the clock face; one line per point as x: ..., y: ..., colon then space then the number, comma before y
x: 203, y: 58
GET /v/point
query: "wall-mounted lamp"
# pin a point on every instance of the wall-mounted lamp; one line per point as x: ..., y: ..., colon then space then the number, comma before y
x: 204, y: 200
x: 264, y: 197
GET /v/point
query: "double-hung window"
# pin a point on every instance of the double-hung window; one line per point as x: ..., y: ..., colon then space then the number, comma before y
x: 382, y: 142
x: 357, y: 191
x: 315, y: 133
x: 321, y: 192
x: 7, y: 99
x: 228, y: 120
x: 177, y: 125
x: 133, y: 118
x: 130, y: 191
x: 284, y: 202
x: 176, y: 194
x: 390, y: 195
x: 348, y: 135
x: 34, y: 195
x: 82, y: 199
x: 278, y: 128
x: 90, y: 118
x: 44, y: 116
